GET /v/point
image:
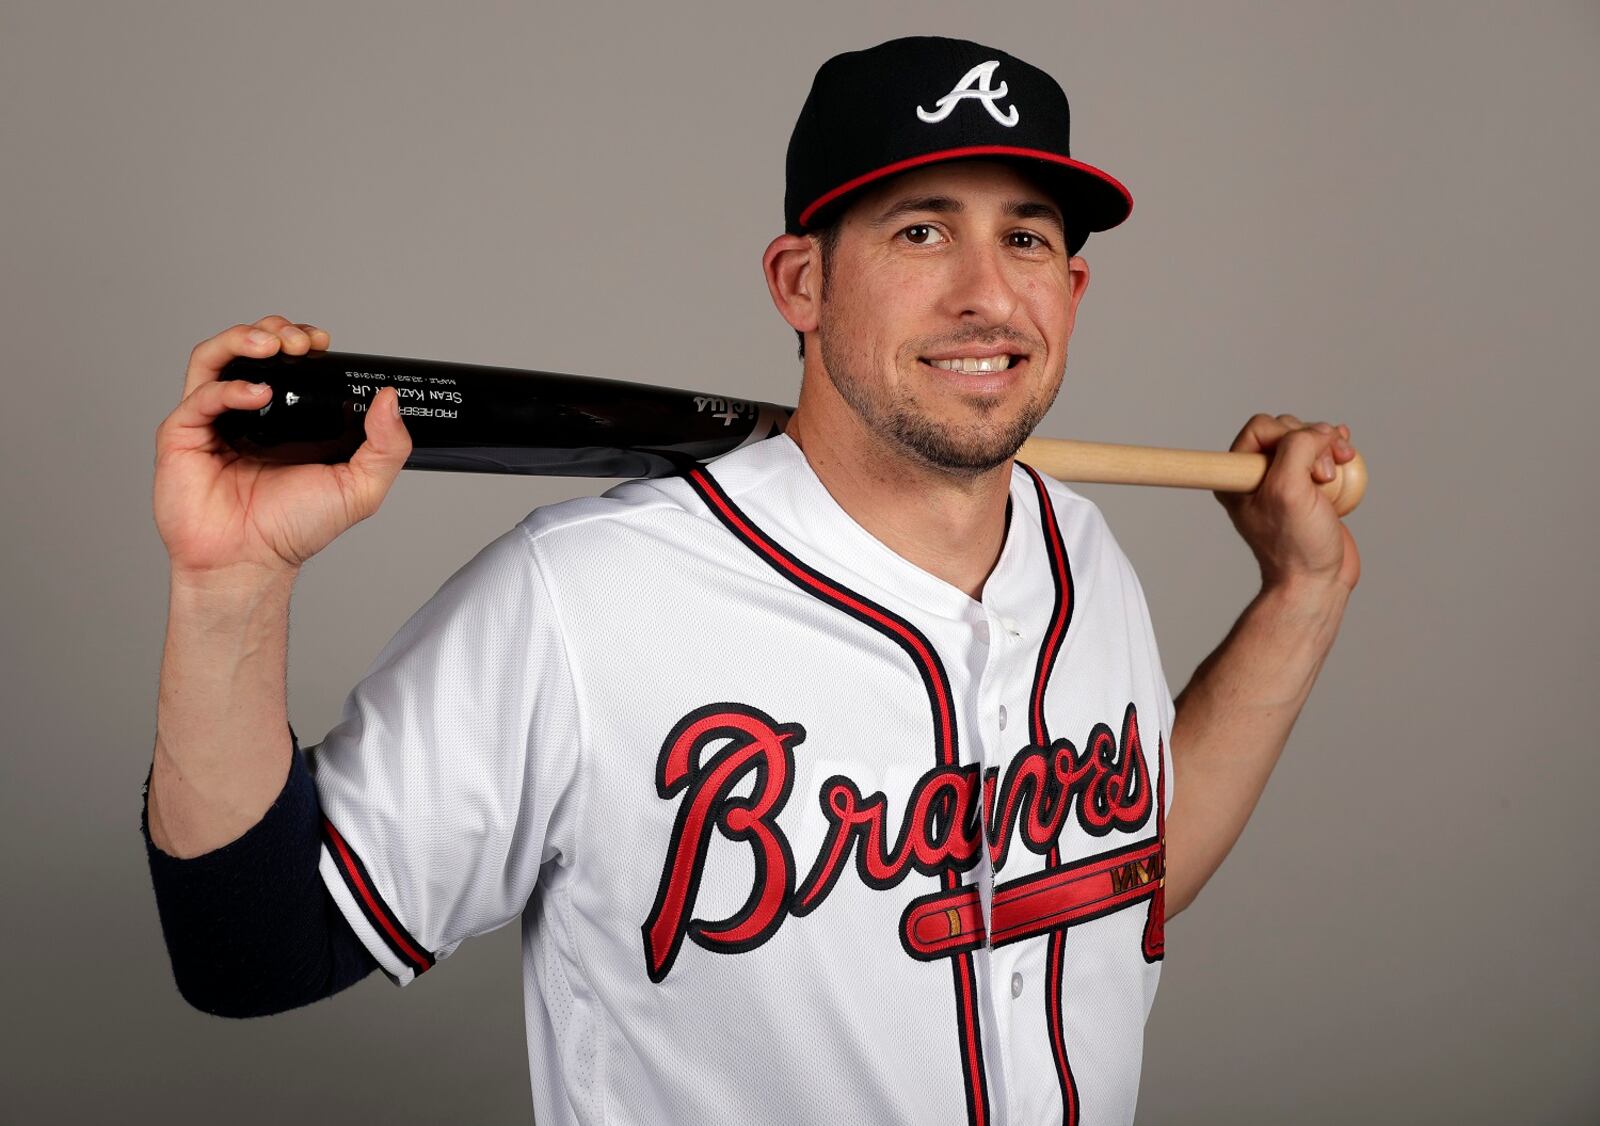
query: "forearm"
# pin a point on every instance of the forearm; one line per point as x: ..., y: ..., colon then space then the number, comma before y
x: 222, y: 744
x: 232, y: 821
x: 1233, y: 720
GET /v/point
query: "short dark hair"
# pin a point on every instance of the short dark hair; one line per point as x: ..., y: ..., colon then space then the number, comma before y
x: 827, y: 239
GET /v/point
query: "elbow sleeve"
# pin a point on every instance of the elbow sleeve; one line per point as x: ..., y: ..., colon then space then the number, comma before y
x: 250, y: 927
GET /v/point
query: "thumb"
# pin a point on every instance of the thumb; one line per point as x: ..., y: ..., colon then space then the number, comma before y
x: 378, y: 461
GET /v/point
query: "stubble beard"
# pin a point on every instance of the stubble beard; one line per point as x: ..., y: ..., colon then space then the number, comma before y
x: 964, y: 450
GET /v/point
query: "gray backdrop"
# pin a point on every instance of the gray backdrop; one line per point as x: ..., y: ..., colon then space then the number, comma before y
x: 1376, y: 214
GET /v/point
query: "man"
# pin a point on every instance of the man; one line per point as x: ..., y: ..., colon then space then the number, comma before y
x: 836, y: 781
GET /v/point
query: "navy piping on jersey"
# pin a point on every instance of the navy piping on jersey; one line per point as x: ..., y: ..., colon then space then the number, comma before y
x: 935, y: 680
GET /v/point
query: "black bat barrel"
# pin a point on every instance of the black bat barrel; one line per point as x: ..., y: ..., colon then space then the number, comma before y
x: 471, y: 418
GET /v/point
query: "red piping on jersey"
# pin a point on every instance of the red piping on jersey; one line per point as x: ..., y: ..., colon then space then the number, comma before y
x: 375, y: 906
x: 1154, y: 944
x: 1061, y: 616
x: 974, y: 1080
x: 1056, y: 953
x: 1155, y: 924
x: 887, y: 622
x: 1058, y: 1047
x: 954, y: 154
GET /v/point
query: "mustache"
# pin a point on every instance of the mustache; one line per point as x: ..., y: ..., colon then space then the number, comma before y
x: 988, y: 337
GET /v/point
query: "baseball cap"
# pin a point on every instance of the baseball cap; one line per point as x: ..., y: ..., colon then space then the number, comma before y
x: 924, y: 99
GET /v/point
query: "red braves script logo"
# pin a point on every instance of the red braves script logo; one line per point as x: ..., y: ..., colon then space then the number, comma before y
x: 940, y: 831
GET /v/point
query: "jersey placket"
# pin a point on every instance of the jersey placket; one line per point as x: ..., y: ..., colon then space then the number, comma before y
x: 1013, y: 974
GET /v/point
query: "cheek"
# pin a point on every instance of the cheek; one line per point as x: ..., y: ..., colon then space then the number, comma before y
x: 1050, y: 308
x: 882, y: 320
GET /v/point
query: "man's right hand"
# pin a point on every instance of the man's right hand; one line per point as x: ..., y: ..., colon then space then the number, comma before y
x: 222, y: 514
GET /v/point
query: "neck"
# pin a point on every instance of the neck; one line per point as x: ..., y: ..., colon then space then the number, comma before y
x: 950, y: 525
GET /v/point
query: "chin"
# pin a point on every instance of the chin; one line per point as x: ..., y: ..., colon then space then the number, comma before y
x: 976, y: 448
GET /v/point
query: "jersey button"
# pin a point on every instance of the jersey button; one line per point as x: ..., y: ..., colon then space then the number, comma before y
x: 981, y: 629
x: 1002, y: 717
x: 1016, y: 985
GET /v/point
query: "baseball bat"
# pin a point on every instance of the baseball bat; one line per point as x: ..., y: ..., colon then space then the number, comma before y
x: 474, y: 418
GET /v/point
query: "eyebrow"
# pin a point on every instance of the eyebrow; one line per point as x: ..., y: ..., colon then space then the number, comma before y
x: 947, y: 205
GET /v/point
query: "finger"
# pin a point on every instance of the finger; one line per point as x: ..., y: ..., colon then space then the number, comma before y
x: 188, y: 427
x: 1339, y: 449
x: 1343, y: 450
x: 210, y: 356
x: 1302, y: 454
x: 296, y: 340
x: 375, y: 465
x: 320, y: 338
x: 1322, y: 469
x: 1260, y: 434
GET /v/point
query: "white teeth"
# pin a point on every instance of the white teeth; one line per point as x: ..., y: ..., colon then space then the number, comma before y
x: 974, y: 363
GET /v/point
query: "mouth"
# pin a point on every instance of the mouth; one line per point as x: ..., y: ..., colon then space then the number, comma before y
x: 976, y: 363
x: 976, y: 373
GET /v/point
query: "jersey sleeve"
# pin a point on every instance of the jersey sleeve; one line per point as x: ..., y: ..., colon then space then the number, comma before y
x: 449, y: 780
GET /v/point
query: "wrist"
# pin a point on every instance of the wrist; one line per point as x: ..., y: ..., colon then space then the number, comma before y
x: 239, y: 582
x: 1304, y: 599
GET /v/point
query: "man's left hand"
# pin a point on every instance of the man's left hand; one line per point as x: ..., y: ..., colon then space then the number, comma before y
x: 1289, y: 525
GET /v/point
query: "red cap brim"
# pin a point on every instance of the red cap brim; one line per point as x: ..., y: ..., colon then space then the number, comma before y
x: 1102, y: 210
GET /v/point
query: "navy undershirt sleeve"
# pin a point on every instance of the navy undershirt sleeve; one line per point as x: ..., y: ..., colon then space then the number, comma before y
x: 250, y: 926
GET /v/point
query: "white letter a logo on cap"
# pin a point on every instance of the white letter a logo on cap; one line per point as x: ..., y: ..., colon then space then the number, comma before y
x: 976, y: 83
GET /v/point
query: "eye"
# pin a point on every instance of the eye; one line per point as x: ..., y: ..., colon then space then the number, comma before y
x: 920, y: 234
x: 1026, y: 240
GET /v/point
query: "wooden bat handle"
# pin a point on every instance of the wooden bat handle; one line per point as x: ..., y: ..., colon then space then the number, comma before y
x: 1221, y: 471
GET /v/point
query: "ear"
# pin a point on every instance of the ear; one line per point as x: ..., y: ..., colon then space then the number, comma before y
x: 1078, y: 280
x: 793, y: 266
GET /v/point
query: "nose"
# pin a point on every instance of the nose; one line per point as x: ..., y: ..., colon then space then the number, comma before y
x: 981, y: 289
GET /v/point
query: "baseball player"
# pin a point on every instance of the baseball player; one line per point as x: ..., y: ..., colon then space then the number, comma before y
x: 833, y: 781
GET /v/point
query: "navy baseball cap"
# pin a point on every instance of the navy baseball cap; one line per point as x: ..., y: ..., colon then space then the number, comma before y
x: 926, y: 99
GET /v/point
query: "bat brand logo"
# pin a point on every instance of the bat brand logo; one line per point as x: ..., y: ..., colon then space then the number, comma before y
x: 729, y: 410
x: 732, y: 769
x: 976, y: 83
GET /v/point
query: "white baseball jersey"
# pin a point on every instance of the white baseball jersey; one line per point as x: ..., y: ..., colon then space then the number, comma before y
x: 796, y: 831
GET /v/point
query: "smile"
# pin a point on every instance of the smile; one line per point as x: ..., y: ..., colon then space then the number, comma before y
x: 975, y: 363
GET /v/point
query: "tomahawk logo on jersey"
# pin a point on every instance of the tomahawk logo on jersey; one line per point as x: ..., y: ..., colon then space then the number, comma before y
x: 945, y: 826
x: 794, y: 829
